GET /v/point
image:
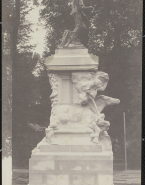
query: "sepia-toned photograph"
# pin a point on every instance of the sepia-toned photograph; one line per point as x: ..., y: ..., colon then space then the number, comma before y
x: 71, y: 92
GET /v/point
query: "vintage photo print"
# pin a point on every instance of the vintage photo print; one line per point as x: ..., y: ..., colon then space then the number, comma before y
x: 71, y: 91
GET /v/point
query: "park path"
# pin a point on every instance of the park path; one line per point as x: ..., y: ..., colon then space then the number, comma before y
x: 127, y: 177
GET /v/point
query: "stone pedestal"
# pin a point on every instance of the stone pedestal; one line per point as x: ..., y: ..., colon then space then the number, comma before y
x: 75, y: 160
x: 76, y: 167
x: 77, y: 149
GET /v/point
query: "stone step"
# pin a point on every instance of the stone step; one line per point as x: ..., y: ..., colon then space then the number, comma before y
x: 70, y: 148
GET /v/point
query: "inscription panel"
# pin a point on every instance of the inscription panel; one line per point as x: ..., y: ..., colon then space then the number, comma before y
x: 65, y: 90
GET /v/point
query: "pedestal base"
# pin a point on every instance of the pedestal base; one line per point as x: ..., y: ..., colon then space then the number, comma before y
x: 71, y: 168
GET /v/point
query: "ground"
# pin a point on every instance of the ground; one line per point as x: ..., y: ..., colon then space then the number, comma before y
x: 127, y: 177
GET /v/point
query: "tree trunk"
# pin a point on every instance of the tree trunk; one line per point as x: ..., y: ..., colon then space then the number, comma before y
x: 15, y: 29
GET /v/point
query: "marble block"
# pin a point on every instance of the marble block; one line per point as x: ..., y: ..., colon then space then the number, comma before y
x: 72, y: 59
x: 68, y: 145
x: 71, y: 168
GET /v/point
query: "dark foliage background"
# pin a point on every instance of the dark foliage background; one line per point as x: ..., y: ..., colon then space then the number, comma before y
x: 114, y: 34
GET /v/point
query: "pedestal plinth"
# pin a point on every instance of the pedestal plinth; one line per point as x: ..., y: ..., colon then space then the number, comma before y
x: 72, y: 159
x: 77, y: 167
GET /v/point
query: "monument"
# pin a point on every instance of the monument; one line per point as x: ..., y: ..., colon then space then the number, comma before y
x: 77, y: 149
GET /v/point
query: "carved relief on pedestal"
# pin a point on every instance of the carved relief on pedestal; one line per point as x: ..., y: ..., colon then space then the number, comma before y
x: 53, y: 79
x: 86, y: 85
x: 86, y: 107
x: 54, y: 122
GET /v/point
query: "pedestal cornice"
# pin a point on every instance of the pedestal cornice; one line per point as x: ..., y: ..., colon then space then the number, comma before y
x: 72, y: 59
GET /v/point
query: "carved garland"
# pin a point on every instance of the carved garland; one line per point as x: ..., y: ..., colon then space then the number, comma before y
x: 54, y: 122
x: 53, y: 79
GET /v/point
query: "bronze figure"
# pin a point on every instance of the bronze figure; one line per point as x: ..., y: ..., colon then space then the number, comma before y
x: 79, y: 16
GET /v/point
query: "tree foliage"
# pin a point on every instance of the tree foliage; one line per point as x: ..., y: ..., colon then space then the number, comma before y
x: 7, y: 6
x: 21, y: 27
x: 117, y: 25
x: 113, y: 23
x: 29, y: 92
x: 31, y: 106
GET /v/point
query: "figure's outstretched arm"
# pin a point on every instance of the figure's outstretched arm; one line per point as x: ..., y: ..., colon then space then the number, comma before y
x: 103, y: 101
x: 81, y: 5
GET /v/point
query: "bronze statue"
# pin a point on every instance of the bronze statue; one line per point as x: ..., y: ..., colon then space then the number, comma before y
x: 79, y: 16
